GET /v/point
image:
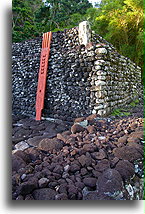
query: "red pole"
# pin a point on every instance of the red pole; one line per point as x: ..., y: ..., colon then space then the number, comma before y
x: 45, y: 52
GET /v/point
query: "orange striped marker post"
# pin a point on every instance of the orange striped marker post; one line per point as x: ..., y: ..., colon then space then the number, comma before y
x: 45, y: 52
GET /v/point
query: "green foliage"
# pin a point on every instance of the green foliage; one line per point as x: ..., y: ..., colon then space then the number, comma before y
x: 134, y: 103
x: 120, y: 112
x: 124, y: 112
x: 23, y: 24
x: 119, y: 21
x: 32, y: 18
x: 75, y: 19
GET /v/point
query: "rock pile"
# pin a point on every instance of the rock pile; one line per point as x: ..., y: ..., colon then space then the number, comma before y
x: 81, y: 80
x: 92, y: 159
x: 25, y: 67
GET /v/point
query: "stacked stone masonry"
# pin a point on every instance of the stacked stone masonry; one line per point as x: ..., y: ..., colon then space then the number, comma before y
x: 81, y: 79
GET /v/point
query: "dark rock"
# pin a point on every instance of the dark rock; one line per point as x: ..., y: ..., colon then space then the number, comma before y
x: 21, y: 135
x: 102, y: 165
x: 84, y: 160
x: 96, y: 174
x: 23, y: 155
x: 90, y: 182
x: 91, y: 129
x: 83, y: 171
x: 125, y: 168
x: 38, y: 168
x: 133, y: 140
x: 129, y: 153
x: 56, y: 175
x: 51, y: 134
x: 74, y: 168
x: 80, y: 119
x: 72, y: 191
x: 114, y: 162
x: 61, y: 196
x: 53, y: 184
x: 29, y: 197
x: 94, y: 195
x: 43, y: 182
x: 17, y: 163
x: 44, y: 194
x: 122, y: 141
x: 63, y: 188
x: 51, y: 166
x: 33, y: 153
x: 20, y: 197
x: 50, y: 144
x: 138, y: 147
x: 88, y: 148
x: 77, y: 128
x: 45, y: 172
x: 109, y: 182
x: 99, y: 155
x: 137, y: 134
x: 28, y: 186
x: 58, y: 169
x: 91, y: 117
x: 64, y: 136
x: 35, y: 140
x: 79, y: 185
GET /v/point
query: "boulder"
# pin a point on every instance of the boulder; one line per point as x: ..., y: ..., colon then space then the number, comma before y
x: 77, y: 128
x: 90, y: 182
x: 50, y: 144
x: 44, y: 194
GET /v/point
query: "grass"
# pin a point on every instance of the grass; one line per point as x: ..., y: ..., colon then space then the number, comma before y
x: 134, y: 103
x: 122, y: 112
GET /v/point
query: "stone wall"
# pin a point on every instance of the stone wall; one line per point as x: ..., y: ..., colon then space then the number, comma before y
x: 81, y: 79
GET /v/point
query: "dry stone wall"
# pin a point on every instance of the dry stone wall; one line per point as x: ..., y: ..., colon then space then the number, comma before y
x: 81, y: 79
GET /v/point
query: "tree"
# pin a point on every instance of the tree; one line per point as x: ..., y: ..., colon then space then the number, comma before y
x: 121, y: 23
x: 62, y: 11
x: 32, y: 18
x: 23, y: 24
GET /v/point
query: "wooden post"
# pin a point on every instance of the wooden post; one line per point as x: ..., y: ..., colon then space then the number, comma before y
x: 45, y: 52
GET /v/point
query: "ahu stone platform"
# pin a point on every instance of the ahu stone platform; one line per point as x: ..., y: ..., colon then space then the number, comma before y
x: 86, y: 75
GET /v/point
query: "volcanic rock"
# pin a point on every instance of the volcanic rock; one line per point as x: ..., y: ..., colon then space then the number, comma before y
x: 102, y: 165
x: 44, y: 194
x: 77, y: 128
x: 109, y: 182
x: 64, y: 136
x: 99, y: 155
x: 23, y: 155
x: 35, y: 140
x: 125, y: 168
x: 85, y: 160
x: 91, y: 129
x: 50, y: 144
x: 61, y: 196
x: 33, y: 153
x: 129, y: 153
x: 90, y: 182
x: 74, y: 168
x: 17, y: 163
x: 27, y: 187
x: 43, y: 182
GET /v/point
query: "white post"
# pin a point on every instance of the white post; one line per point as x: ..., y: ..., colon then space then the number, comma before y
x: 84, y: 33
